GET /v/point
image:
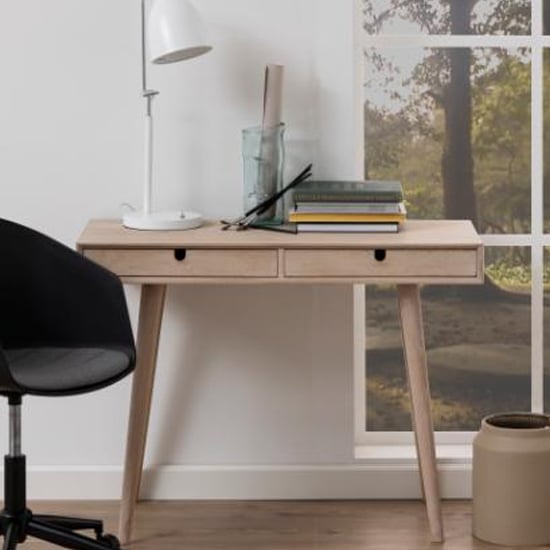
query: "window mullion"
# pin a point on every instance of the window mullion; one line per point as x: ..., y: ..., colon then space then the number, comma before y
x: 537, y: 222
x: 446, y: 41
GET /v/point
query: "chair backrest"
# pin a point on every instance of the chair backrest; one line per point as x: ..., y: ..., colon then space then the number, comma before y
x: 52, y: 296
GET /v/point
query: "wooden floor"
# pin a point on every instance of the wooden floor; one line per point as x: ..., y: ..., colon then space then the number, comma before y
x: 253, y: 525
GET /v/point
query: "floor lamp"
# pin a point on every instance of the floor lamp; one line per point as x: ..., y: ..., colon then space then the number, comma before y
x: 173, y: 32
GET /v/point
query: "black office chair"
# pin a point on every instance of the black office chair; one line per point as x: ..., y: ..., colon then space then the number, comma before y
x: 64, y: 330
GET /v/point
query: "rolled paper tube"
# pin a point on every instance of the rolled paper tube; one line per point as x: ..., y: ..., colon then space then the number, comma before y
x: 273, y: 96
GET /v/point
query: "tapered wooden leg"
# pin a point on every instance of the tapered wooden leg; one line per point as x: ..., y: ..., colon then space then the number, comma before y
x: 150, y: 318
x: 415, y: 358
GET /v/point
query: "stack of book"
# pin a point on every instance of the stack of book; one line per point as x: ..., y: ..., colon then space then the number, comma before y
x: 348, y: 206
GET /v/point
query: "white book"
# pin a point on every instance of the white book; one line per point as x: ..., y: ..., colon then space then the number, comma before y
x: 348, y: 227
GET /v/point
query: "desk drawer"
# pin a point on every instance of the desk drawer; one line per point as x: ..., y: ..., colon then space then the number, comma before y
x: 187, y: 262
x: 381, y: 263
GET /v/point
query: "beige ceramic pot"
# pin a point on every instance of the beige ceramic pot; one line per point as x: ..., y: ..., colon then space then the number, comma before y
x: 511, y: 479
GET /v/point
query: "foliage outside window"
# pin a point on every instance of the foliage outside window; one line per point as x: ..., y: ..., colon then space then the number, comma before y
x: 447, y: 109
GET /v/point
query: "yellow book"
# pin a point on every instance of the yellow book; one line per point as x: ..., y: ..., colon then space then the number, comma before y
x: 315, y: 217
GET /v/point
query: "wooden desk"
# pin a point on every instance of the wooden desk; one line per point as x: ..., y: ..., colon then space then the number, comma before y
x: 434, y: 252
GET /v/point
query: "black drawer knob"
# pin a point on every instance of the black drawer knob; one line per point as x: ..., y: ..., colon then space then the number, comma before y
x: 379, y: 254
x: 179, y: 254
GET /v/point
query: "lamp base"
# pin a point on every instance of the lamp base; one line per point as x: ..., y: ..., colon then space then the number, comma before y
x: 162, y: 221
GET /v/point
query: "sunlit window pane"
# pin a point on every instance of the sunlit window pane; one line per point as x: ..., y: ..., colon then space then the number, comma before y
x: 454, y: 125
x: 489, y: 17
x: 478, y: 341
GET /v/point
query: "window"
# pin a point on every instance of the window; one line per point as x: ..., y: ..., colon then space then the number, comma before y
x: 455, y: 107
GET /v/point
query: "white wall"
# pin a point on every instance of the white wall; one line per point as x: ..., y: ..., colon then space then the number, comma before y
x: 249, y: 378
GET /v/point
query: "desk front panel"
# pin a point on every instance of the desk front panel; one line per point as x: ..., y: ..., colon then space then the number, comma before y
x: 187, y: 262
x: 296, y: 266
x: 380, y: 263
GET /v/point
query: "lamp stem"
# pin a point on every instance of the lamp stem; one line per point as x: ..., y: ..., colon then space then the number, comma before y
x: 148, y: 159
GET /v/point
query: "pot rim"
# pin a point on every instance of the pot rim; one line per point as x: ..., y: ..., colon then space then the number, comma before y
x: 497, y: 423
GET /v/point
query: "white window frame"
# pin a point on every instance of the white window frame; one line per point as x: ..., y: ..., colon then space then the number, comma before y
x: 455, y: 446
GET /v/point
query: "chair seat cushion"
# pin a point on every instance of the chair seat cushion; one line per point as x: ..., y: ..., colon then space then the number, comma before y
x: 44, y: 371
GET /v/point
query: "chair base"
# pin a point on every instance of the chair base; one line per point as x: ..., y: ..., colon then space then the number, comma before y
x: 57, y: 530
x: 17, y: 521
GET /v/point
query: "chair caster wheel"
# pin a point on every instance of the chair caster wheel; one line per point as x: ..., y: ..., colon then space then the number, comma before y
x: 111, y: 540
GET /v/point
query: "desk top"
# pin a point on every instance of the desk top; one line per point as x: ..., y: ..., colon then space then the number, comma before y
x: 436, y: 234
x: 424, y: 251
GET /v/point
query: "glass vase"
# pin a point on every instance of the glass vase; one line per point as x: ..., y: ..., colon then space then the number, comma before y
x: 263, y: 162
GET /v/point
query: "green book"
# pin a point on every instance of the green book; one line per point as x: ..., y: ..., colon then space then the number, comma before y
x: 349, y: 191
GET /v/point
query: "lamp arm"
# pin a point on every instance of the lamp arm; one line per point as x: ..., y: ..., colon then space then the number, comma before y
x: 148, y: 95
x: 146, y: 92
x: 143, y: 48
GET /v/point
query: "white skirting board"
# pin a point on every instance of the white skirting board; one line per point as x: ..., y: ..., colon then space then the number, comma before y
x: 352, y: 481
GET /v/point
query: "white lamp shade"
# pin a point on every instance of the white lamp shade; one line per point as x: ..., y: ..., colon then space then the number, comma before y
x: 175, y: 32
